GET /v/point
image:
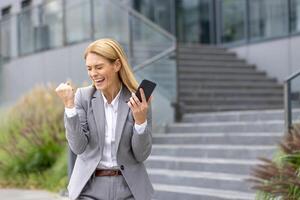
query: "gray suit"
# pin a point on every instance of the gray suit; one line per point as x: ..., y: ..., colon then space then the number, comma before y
x: 85, y: 134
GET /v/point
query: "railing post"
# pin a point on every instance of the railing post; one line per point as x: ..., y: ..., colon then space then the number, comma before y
x: 287, y: 106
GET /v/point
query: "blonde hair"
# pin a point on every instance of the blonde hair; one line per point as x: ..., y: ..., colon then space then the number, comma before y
x: 112, y: 50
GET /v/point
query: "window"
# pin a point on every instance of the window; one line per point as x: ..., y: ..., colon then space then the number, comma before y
x: 50, y: 30
x: 5, y: 11
x: 268, y: 18
x: 233, y: 20
x: 25, y: 4
x: 78, y: 20
x: 5, y: 32
x: 194, y: 21
x: 295, y: 16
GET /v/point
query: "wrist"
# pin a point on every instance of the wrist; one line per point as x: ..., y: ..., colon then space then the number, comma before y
x: 69, y: 104
x: 139, y: 122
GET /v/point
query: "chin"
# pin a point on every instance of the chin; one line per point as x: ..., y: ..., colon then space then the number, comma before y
x: 100, y: 87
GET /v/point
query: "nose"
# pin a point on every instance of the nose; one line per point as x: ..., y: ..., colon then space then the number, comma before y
x: 92, y: 72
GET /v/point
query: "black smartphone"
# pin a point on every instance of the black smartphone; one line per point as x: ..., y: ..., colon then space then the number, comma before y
x: 148, y: 87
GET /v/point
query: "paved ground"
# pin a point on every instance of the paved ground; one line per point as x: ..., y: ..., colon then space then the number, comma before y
x: 18, y: 194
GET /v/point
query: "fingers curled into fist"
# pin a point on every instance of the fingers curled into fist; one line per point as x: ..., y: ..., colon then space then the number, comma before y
x: 66, y: 93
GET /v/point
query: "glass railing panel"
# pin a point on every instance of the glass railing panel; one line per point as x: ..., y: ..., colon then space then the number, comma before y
x: 142, y: 41
x: 295, y: 100
x: 162, y: 72
x: 140, y: 37
x: 147, y: 41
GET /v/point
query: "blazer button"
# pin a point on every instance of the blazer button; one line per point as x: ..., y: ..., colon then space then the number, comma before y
x: 122, y: 167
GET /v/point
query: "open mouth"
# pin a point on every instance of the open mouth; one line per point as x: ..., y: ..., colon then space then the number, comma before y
x: 99, y: 81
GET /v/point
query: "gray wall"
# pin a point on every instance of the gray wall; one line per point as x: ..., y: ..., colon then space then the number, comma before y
x: 279, y: 58
x: 54, y: 66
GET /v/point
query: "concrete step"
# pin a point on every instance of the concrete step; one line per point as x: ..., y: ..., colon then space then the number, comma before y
x: 229, y: 101
x: 225, y: 57
x: 197, y: 45
x: 222, y: 181
x: 246, y: 116
x: 219, y: 72
x: 224, y: 77
x: 174, y: 192
x: 218, y: 138
x: 224, y: 151
x: 232, y: 84
x: 220, y: 165
x: 226, y: 127
x: 229, y: 92
x: 216, y: 108
x: 204, y: 51
x: 210, y: 63
x: 217, y: 69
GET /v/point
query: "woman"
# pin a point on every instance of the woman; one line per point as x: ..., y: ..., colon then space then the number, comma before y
x: 108, y: 128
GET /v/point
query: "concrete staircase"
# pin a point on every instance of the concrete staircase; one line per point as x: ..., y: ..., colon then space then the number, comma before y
x: 209, y: 155
x: 214, y: 79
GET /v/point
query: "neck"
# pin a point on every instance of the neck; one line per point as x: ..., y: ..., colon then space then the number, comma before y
x: 112, y: 92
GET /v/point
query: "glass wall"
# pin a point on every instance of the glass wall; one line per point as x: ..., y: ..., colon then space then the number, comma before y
x: 5, y: 39
x: 233, y: 20
x: 60, y: 22
x: 110, y: 21
x: 295, y: 16
x: 268, y: 18
x: 160, y: 12
x: 78, y: 20
x: 51, y: 26
x: 194, y: 21
x: 26, y: 31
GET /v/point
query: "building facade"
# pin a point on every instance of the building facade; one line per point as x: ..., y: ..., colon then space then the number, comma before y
x: 43, y: 40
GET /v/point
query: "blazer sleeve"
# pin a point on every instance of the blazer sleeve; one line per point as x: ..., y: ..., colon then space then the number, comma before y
x: 142, y: 143
x: 77, y: 130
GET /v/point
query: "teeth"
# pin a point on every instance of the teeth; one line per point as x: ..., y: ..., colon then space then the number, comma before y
x: 98, y: 80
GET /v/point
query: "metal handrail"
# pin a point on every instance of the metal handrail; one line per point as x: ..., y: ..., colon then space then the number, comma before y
x: 287, y: 101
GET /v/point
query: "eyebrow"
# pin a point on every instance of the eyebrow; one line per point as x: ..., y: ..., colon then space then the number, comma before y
x: 100, y: 64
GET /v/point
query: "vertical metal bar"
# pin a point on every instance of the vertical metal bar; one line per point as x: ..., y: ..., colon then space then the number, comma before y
x: 289, y: 17
x: 247, y: 28
x: 173, y: 17
x: 64, y: 22
x: 212, y: 22
x: 287, y: 106
x: 178, y: 107
x: 218, y: 22
x: 92, y: 20
x: 19, y: 53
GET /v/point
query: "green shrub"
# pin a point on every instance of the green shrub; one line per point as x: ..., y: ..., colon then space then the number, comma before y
x: 279, y: 178
x: 32, y: 142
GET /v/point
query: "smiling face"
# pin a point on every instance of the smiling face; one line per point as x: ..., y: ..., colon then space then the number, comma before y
x: 103, y: 72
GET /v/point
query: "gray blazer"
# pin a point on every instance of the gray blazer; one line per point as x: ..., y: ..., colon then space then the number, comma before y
x: 85, y: 133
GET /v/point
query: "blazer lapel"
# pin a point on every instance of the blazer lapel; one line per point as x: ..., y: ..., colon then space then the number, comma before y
x: 99, y: 116
x: 123, y: 110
